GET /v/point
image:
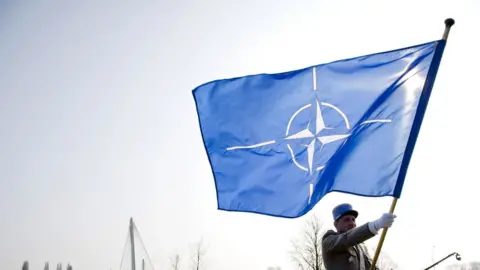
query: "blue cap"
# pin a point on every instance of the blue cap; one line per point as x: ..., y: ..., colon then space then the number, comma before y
x: 343, y: 209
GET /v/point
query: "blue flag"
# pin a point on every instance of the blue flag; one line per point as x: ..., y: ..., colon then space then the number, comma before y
x: 278, y: 143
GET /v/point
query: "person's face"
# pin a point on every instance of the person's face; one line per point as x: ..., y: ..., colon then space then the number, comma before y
x: 345, y: 223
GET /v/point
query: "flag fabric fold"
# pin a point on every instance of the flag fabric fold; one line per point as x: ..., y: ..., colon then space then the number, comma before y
x: 278, y: 143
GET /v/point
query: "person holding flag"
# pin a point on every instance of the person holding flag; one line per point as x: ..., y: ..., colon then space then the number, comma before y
x: 343, y: 249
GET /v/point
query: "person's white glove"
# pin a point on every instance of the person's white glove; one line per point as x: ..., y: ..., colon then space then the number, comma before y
x: 385, y: 221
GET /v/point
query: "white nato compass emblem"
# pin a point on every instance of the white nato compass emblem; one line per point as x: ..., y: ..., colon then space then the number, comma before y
x: 313, y: 136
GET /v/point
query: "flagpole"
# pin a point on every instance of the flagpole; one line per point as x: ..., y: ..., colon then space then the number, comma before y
x: 448, y: 24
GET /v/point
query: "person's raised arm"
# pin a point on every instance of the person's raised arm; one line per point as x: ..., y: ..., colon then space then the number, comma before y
x: 332, y: 241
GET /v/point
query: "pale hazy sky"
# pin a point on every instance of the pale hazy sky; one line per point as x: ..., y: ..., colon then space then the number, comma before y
x: 98, y: 124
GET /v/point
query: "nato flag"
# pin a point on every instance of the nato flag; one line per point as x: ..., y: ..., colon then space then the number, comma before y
x: 278, y: 143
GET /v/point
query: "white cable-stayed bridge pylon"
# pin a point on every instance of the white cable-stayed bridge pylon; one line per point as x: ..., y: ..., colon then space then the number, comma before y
x: 135, y: 255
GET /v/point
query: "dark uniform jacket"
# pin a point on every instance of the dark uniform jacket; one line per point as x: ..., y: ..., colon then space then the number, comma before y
x: 341, y: 250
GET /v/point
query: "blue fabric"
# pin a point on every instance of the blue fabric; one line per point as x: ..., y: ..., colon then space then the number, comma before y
x: 278, y: 143
x: 342, y: 209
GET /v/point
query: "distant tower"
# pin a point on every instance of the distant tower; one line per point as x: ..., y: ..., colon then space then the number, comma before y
x: 47, y: 267
x: 69, y: 267
x: 25, y: 265
x: 59, y: 266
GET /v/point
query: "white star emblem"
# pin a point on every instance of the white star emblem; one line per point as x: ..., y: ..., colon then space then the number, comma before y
x: 308, y: 134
